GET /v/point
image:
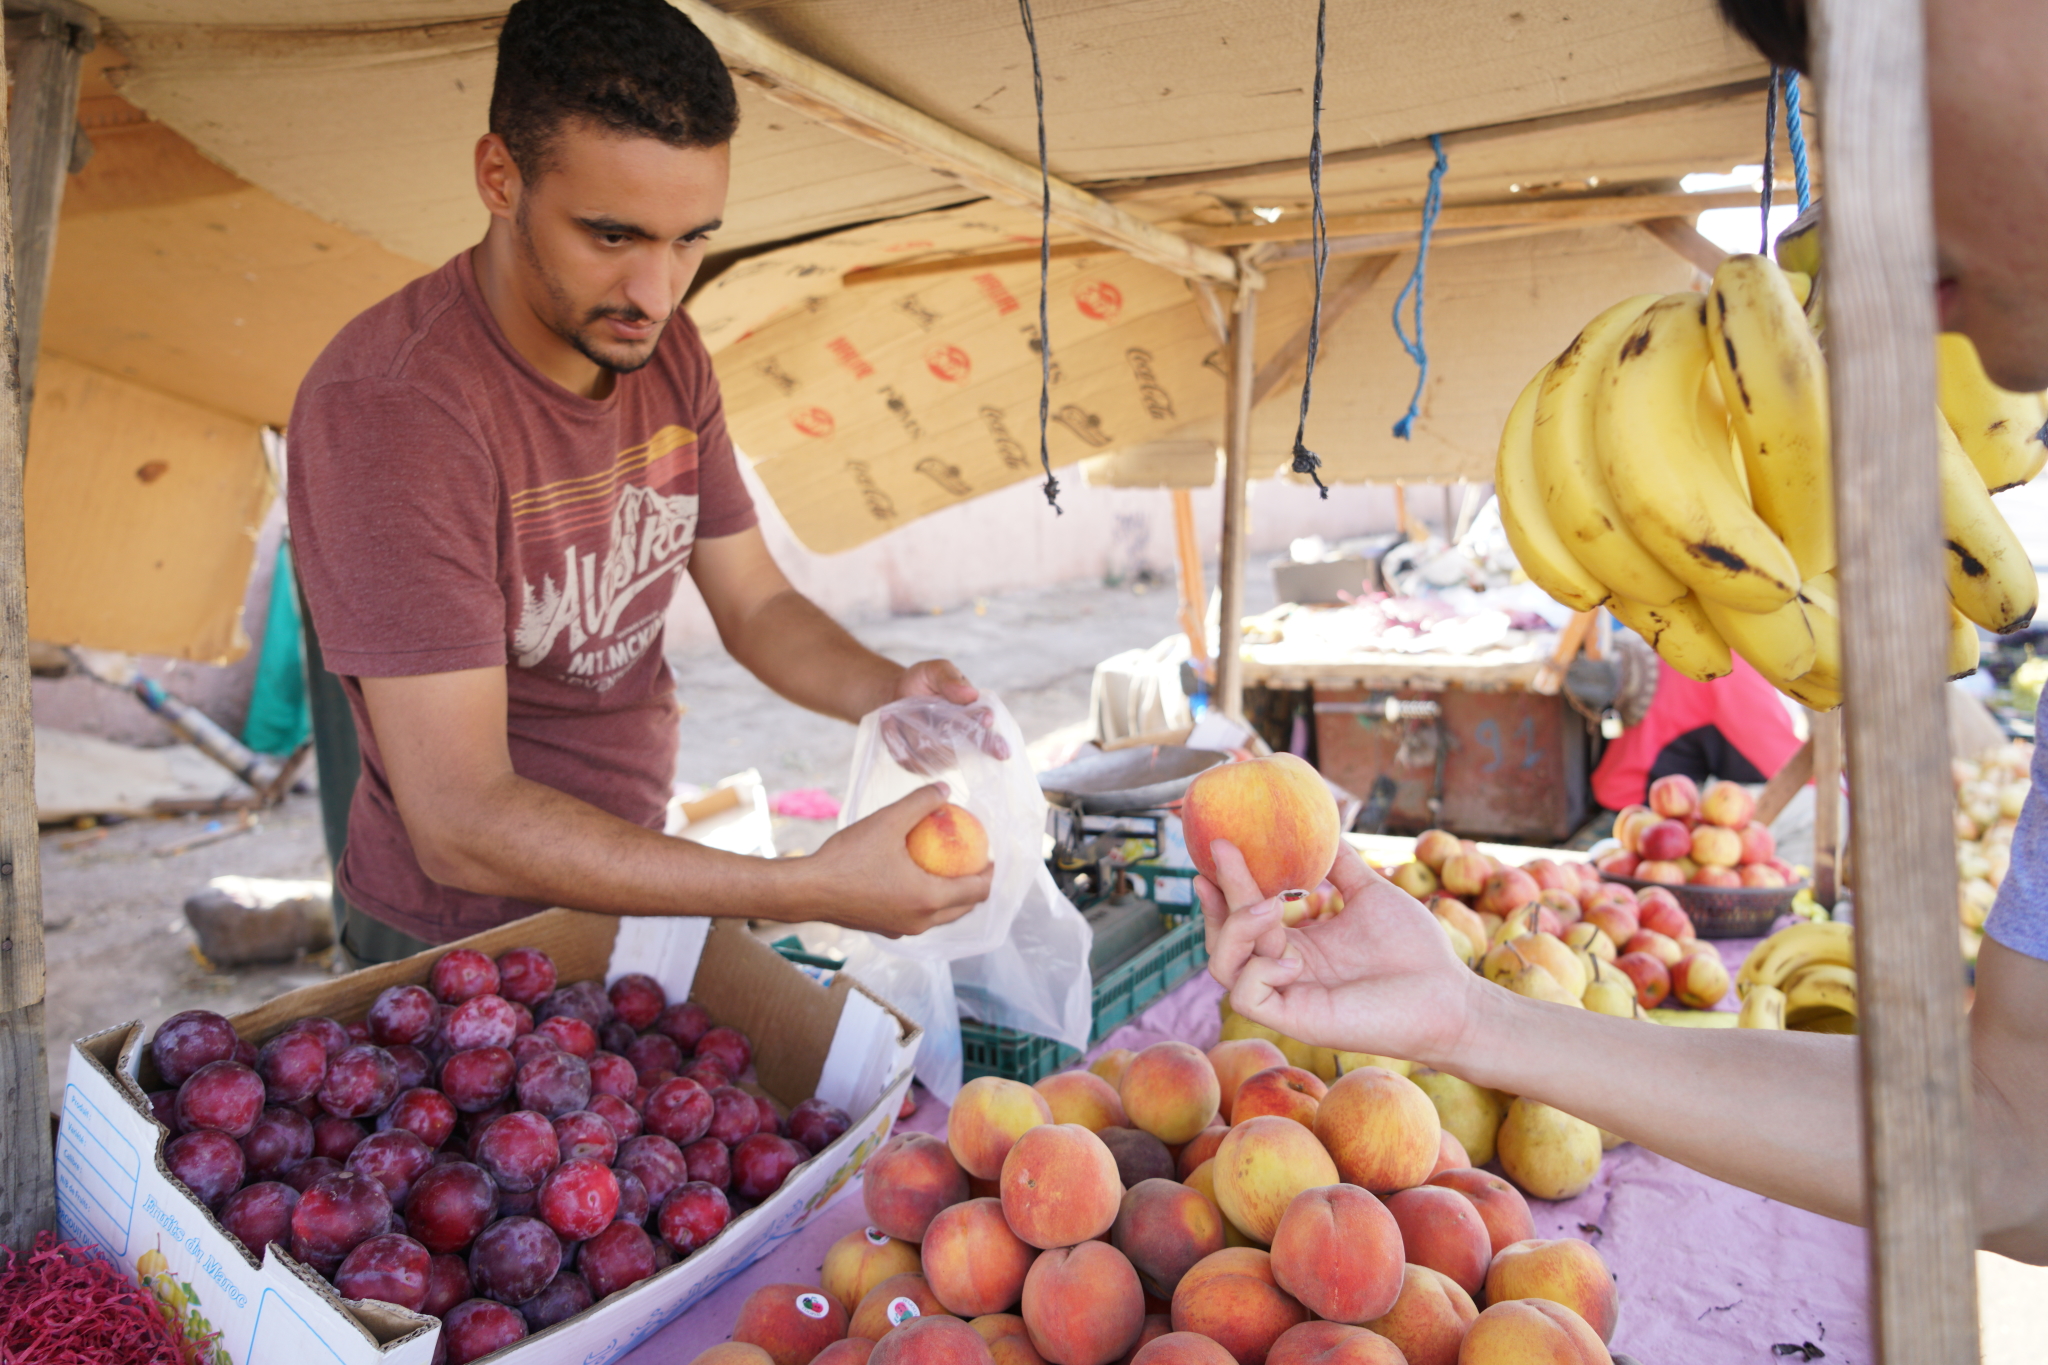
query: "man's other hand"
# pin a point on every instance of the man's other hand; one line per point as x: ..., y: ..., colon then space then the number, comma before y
x: 924, y: 739
x: 883, y: 890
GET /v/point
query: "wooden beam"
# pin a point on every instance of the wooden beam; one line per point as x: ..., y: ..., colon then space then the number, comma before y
x: 28, y: 1191
x: 1565, y: 211
x: 1336, y: 303
x: 827, y: 96
x: 1419, y: 146
x: 1784, y: 785
x: 1914, y: 1053
x: 1827, y: 809
x: 51, y: 38
x: 965, y: 261
x: 1684, y: 239
x: 1228, y: 694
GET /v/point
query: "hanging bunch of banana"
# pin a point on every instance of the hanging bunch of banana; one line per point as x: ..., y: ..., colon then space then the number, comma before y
x: 1673, y: 464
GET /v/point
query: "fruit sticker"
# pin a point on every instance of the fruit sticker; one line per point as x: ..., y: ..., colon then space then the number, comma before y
x: 1099, y: 300
x: 876, y: 1237
x: 812, y: 421
x: 901, y: 1311
x: 812, y: 1305
x: 948, y: 363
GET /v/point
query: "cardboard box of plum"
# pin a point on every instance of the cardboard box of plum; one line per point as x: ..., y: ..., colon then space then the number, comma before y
x: 542, y: 1143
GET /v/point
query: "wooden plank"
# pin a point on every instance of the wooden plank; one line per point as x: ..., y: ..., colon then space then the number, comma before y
x: 1914, y: 1055
x: 836, y: 100
x: 1687, y: 241
x: 1785, y: 784
x: 1574, y: 210
x: 1549, y: 678
x: 1237, y: 453
x: 28, y: 1194
x: 1827, y: 808
x: 1419, y: 146
x: 54, y: 37
x: 970, y: 260
x: 1336, y: 303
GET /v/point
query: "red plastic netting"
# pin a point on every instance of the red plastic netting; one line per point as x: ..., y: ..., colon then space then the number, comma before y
x: 63, y: 1305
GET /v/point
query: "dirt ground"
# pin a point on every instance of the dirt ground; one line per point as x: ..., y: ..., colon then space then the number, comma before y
x: 117, y: 941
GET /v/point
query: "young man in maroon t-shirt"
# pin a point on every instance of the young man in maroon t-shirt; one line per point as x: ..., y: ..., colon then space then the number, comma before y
x: 499, y: 473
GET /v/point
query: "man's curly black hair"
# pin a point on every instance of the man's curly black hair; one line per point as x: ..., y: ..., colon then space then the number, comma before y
x: 637, y: 67
x: 1777, y: 28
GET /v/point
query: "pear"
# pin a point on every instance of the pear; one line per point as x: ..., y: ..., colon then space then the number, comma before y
x: 1610, y: 997
x: 1590, y: 938
x: 1546, y: 1151
x: 1468, y: 1112
x: 1609, y: 1141
x: 1537, y: 983
x: 1502, y: 961
x: 1521, y: 922
x: 1348, y: 1062
x: 1460, y: 945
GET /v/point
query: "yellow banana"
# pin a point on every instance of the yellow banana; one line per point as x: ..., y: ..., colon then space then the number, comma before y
x: 1798, y: 246
x: 1821, y: 598
x: 1763, y: 1007
x: 1667, y: 480
x: 1774, y: 960
x: 1680, y: 633
x: 1820, y: 990
x: 1576, y: 495
x: 1692, y: 1018
x: 1775, y: 383
x: 1814, y: 973
x: 1965, y: 651
x: 2001, y: 431
x: 1778, y: 644
x: 1825, y: 1021
x: 1538, y: 548
x: 1990, y: 575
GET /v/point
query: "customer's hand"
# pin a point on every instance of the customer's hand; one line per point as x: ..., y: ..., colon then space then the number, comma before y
x: 1378, y: 977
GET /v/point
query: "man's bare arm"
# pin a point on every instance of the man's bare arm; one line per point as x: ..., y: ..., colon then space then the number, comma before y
x: 477, y: 825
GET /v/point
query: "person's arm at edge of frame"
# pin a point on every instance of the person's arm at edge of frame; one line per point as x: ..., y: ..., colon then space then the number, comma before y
x: 1772, y: 1111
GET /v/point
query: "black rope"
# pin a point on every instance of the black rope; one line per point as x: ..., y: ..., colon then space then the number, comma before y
x: 1052, y: 485
x: 1306, y: 461
x: 1770, y: 153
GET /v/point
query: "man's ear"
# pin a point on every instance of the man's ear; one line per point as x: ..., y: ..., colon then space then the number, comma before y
x: 498, y: 182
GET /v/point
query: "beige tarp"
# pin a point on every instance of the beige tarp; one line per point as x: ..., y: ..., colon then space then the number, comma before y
x: 144, y: 546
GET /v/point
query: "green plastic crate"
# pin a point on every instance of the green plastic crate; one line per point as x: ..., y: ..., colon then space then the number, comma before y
x: 988, y: 1050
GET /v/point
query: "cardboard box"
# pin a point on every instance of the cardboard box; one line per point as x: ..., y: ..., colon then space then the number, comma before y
x: 837, y: 1041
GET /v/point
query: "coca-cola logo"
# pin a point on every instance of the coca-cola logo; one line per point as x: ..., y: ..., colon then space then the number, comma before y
x: 812, y: 421
x: 1098, y: 299
x: 948, y: 363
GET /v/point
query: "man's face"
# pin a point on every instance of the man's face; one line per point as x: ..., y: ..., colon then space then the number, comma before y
x: 610, y: 236
x: 1987, y: 81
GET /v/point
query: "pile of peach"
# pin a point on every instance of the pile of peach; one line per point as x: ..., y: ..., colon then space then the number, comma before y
x: 1555, y: 931
x: 1685, y: 838
x: 1177, y: 1208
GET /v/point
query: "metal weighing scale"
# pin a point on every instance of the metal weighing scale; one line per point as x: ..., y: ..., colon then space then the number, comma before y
x: 1100, y: 807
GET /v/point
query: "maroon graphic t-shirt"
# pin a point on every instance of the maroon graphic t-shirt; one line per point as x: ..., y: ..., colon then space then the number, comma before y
x: 453, y: 508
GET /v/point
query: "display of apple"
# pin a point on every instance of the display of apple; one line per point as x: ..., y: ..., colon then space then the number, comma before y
x: 1728, y: 805
x: 1713, y: 846
x: 1675, y: 796
x: 1666, y: 841
x: 1668, y: 873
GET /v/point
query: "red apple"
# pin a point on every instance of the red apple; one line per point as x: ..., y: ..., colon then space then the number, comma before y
x: 1662, y: 947
x: 1552, y: 876
x: 1621, y: 864
x: 1665, y: 841
x: 1464, y: 874
x: 1616, y: 920
x: 1652, y: 978
x: 1711, y: 875
x: 1669, y: 873
x: 1659, y: 910
x: 1507, y: 892
x: 1675, y: 796
x: 1630, y: 824
x: 1435, y: 847
x: 1563, y: 904
x: 1700, y: 979
x: 1727, y: 804
x: 1760, y: 874
x: 1759, y: 845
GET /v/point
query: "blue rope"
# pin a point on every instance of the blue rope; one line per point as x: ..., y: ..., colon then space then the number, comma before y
x: 1417, y: 351
x: 1795, y: 133
x: 1306, y: 461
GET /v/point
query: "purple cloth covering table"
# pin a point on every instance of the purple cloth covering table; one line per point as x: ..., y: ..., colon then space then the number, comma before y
x: 1709, y: 1274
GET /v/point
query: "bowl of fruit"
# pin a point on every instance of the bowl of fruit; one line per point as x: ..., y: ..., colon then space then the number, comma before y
x: 1709, y: 851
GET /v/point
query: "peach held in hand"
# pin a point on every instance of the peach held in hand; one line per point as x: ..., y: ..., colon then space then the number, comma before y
x: 949, y: 842
x: 1277, y: 812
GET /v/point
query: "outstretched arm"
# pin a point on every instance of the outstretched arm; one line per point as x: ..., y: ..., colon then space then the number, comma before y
x: 1771, y: 1111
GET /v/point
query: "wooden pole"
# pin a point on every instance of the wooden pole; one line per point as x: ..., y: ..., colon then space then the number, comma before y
x: 1879, y: 246
x: 28, y: 1191
x: 1827, y: 809
x: 1194, y: 595
x: 1237, y: 454
x: 53, y: 37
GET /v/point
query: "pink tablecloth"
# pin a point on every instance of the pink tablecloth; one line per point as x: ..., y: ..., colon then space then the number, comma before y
x: 1709, y: 1274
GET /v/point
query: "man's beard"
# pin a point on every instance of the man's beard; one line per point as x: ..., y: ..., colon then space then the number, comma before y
x: 560, y: 315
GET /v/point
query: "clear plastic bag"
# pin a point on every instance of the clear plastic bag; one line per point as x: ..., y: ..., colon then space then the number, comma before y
x: 1020, y: 958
